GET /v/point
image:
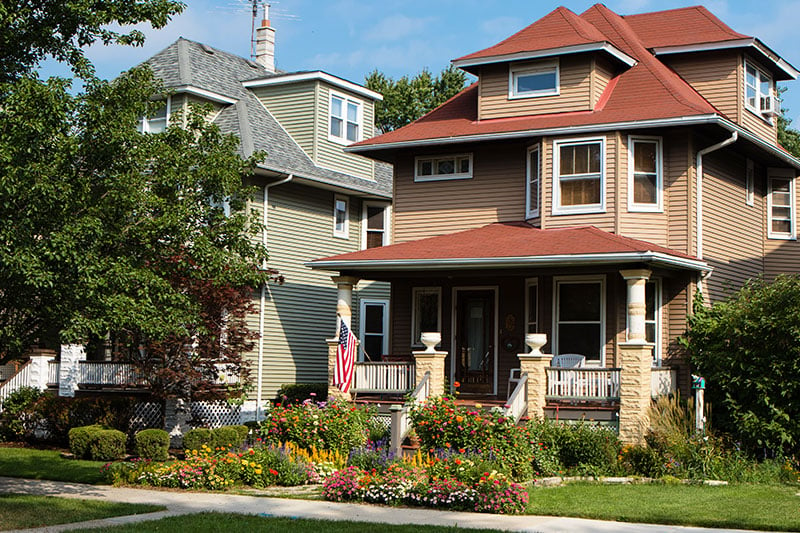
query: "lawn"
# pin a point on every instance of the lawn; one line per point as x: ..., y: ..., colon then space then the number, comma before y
x: 47, y: 464
x: 18, y: 511
x: 772, y: 507
x: 226, y: 522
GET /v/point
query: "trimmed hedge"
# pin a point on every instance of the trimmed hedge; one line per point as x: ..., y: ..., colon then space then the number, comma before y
x: 97, y: 443
x: 292, y: 393
x: 195, y: 438
x: 223, y: 437
x: 152, y: 444
x: 80, y: 438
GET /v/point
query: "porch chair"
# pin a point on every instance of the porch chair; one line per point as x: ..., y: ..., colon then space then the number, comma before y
x: 568, y: 360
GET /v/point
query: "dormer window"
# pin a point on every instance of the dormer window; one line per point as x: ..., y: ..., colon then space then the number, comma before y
x: 758, y: 96
x: 444, y: 167
x: 345, y: 123
x: 531, y: 81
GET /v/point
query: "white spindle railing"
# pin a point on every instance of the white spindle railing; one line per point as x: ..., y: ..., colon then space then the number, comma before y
x: 107, y: 373
x: 518, y: 401
x: 53, y: 368
x: 21, y: 379
x: 663, y: 381
x: 384, y: 377
x: 401, y: 422
x: 583, y: 383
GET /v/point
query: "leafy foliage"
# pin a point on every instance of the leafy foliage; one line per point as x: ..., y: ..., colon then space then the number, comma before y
x: 788, y: 137
x: 748, y: 349
x: 33, y: 29
x: 407, y: 99
x: 15, y: 416
x: 152, y: 444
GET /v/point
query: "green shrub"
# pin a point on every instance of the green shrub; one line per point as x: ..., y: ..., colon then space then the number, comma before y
x: 152, y: 444
x: 55, y: 416
x: 14, y: 419
x: 195, y: 438
x: 242, y: 430
x: 80, y: 439
x: 293, y: 393
x: 227, y: 437
x: 107, y: 445
x: 583, y: 447
x: 643, y: 461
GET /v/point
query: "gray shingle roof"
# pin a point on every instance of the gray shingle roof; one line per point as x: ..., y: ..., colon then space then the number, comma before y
x: 186, y: 62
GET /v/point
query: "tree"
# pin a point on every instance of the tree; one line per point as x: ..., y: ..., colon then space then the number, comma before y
x: 407, y: 99
x: 748, y: 349
x: 31, y: 30
x: 788, y: 137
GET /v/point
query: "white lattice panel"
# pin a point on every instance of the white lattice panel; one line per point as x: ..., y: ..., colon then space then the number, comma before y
x: 215, y: 414
x: 146, y: 415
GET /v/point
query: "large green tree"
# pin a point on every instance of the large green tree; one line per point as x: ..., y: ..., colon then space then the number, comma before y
x: 407, y: 99
x: 31, y: 30
x: 788, y: 137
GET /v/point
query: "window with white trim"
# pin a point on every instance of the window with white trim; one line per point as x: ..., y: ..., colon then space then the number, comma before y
x: 341, y: 223
x: 652, y: 318
x: 645, y: 174
x: 443, y: 167
x: 750, y: 183
x: 158, y: 122
x: 373, y: 329
x: 375, y: 225
x: 579, y: 318
x: 780, y: 205
x: 532, y: 306
x: 426, y: 312
x: 345, y: 119
x: 579, y: 176
x: 531, y: 81
x: 757, y: 90
x: 532, y: 183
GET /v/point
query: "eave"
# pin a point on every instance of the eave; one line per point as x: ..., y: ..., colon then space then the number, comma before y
x: 314, y: 76
x: 612, y: 50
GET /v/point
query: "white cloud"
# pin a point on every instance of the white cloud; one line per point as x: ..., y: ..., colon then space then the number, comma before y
x: 396, y: 27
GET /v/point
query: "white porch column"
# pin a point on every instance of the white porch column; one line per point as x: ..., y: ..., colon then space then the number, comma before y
x: 344, y: 300
x: 40, y: 366
x: 635, y: 361
x: 69, y: 370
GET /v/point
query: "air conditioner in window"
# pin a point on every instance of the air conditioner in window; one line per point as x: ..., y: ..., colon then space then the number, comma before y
x: 770, y: 106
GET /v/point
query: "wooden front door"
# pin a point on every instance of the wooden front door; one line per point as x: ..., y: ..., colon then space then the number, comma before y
x: 474, y: 356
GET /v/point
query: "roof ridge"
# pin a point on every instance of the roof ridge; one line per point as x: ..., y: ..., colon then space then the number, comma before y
x: 716, y: 21
x: 579, y: 31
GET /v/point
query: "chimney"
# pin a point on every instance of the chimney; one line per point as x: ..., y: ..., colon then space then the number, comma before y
x: 265, y: 43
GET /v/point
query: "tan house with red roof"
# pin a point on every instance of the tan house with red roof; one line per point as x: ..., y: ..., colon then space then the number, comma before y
x: 601, y: 170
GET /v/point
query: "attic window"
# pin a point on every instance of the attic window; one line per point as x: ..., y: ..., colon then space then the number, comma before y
x: 445, y: 167
x: 531, y: 81
x: 758, y: 96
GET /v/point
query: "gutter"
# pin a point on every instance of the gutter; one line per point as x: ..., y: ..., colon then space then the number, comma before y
x: 263, y: 302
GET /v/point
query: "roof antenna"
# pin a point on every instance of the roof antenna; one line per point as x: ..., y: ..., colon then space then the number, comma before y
x: 253, y: 28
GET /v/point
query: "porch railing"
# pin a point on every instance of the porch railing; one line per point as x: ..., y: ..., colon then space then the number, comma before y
x: 22, y: 378
x: 583, y: 383
x: 517, y: 403
x: 384, y: 377
x: 401, y: 416
x: 663, y: 381
x: 53, y: 368
x: 108, y: 373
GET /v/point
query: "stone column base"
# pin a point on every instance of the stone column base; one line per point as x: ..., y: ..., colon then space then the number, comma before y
x: 535, y: 366
x: 635, y: 361
x: 432, y: 362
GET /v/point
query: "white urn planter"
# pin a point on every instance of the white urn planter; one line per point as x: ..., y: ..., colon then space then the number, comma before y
x: 431, y: 339
x: 535, y: 341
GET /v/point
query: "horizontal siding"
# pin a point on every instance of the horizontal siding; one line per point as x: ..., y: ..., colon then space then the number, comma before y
x: 293, y: 106
x: 735, y: 251
x: 574, y: 95
x: 496, y: 192
x: 330, y: 154
x: 651, y: 227
x: 677, y: 185
x: 603, y: 72
x: 301, y: 313
x: 714, y: 75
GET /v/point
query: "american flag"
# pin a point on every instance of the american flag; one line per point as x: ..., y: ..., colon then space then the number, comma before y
x: 345, y: 358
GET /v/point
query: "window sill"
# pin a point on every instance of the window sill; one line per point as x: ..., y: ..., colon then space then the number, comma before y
x: 782, y: 237
x: 343, y: 237
x: 512, y: 96
x: 339, y: 140
x: 590, y: 210
x: 760, y: 115
x: 443, y: 177
x: 644, y: 208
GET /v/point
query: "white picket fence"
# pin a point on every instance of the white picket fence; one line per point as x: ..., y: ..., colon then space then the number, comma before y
x: 384, y: 378
x: 583, y: 383
x: 21, y: 378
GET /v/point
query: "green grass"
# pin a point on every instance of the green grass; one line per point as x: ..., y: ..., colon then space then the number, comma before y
x: 18, y: 511
x: 772, y: 507
x: 226, y: 522
x: 47, y: 464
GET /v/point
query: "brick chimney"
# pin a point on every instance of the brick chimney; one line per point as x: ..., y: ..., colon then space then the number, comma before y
x: 265, y: 43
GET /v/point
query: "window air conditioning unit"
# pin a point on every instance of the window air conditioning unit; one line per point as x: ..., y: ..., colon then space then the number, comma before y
x: 770, y: 106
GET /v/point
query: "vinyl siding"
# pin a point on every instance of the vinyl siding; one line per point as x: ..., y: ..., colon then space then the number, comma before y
x: 495, y: 193
x: 715, y: 75
x: 603, y: 72
x: 293, y: 106
x: 734, y: 250
x: 678, y: 184
x: 330, y: 154
x: 301, y: 313
x: 574, y: 95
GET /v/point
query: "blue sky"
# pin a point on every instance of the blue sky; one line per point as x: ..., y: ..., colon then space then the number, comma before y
x: 349, y: 38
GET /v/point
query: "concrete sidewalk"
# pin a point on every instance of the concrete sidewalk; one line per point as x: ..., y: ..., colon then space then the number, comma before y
x: 195, y: 502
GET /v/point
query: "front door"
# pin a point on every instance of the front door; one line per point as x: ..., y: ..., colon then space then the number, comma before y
x: 474, y: 354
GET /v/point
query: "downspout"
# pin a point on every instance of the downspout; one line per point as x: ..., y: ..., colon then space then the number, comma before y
x: 263, y: 303
x: 699, y: 171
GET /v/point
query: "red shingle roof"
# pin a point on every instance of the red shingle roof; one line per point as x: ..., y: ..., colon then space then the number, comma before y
x: 508, y: 240
x: 647, y: 91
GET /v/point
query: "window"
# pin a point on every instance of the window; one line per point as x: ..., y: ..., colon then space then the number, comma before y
x: 345, y: 119
x: 757, y: 91
x: 444, y: 167
x: 644, y: 174
x: 158, y: 122
x: 426, y: 312
x: 532, y: 183
x: 652, y: 318
x: 579, y: 318
x: 374, y: 329
x: 375, y: 225
x: 579, y: 170
x: 750, y: 183
x: 533, y: 80
x: 341, y: 226
x: 781, y: 205
x: 532, y: 306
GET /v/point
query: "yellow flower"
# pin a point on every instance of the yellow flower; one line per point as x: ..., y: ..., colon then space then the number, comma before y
x: 258, y: 471
x: 194, y: 452
x: 244, y: 462
x: 252, y: 464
